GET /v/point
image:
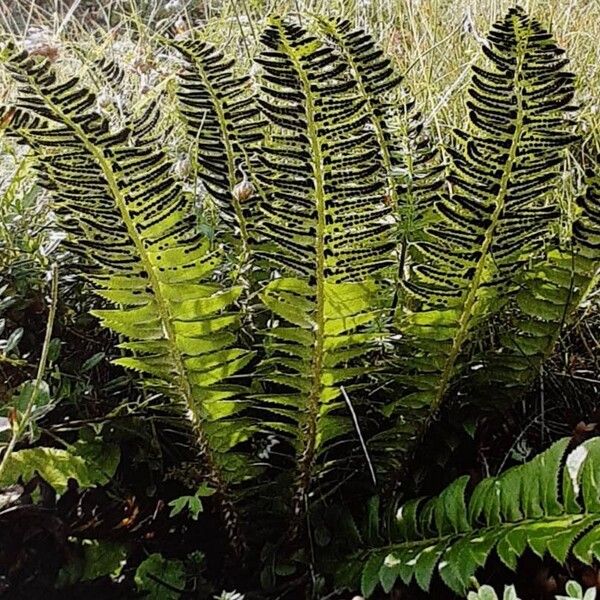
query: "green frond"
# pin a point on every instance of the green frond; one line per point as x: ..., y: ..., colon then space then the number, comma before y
x: 224, y: 125
x: 114, y: 193
x: 325, y: 207
x: 374, y: 71
x: 586, y: 228
x: 549, y: 505
x: 499, y: 212
x: 325, y: 224
x: 412, y: 166
x: 548, y: 296
x: 16, y: 119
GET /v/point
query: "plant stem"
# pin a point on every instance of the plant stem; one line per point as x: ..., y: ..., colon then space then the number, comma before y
x: 19, y: 427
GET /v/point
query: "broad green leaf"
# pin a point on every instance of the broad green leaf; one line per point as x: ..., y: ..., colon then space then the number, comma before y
x: 156, y: 569
x: 89, y: 464
x: 98, y: 558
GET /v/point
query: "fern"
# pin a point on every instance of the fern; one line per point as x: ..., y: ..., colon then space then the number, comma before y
x: 114, y: 194
x: 587, y: 226
x: 498, y: 213
x: 326, y: 225
x: 548, y: 296
x: 224, y: 125
x: 109, y: 72
x: 411, y: 166
x: 549, y: 505
x: 326, y: 176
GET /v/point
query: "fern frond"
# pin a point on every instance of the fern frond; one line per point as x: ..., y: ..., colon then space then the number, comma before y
x: 549, y: 294
x: 224, y: 124
x: 110, y: 71
x: 499, y: 212
x: 412, y: 166
x: 586, y: 228
x: 326, y: 225
x: 114, y: 193
x: 16, y: 119
x: 549, y: 505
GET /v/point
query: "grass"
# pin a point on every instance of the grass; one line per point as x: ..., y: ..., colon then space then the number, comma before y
x: 435, y: 41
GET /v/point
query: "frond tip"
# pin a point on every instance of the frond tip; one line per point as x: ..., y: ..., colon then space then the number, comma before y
x: 223, y: 123
x: 411, y: 167
x: 325, y: 209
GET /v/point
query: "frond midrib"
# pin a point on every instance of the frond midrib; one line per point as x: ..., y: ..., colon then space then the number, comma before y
x: 481, y: 531
x: 471, y: 297
x: 161, y: 303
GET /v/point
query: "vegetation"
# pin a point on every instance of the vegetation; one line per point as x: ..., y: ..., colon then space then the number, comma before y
x: 572, y: 588
x: 523, y: 507
x: 259, y: 306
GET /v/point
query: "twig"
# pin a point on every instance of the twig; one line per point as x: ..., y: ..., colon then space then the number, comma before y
x: 249, y: 17
x: 243, y: 35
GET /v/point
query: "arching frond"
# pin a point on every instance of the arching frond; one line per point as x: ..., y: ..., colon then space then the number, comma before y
x: 326, y: 225
x: 115, y: 195
x: 499, y: 212
x: 549, y: 505
x: 586, y: 228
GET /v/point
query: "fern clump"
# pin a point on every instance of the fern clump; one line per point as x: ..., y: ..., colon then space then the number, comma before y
x: 373, y: 285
